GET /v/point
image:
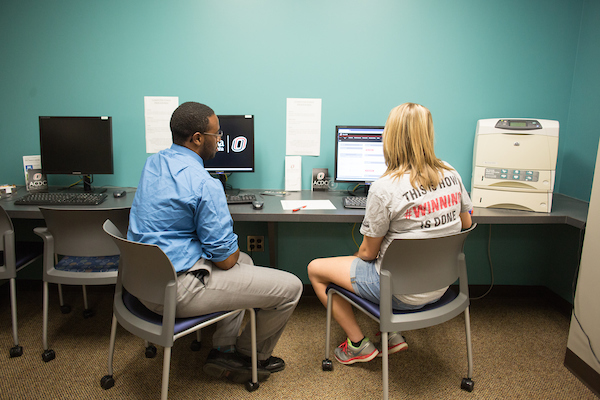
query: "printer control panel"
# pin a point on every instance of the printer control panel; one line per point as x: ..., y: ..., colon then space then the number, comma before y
x: 512, y: 174
x: 518, y: 124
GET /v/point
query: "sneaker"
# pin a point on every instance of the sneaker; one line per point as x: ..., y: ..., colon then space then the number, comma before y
x: 231, y: 366
x: 396, y: 343
x: 348, y: 354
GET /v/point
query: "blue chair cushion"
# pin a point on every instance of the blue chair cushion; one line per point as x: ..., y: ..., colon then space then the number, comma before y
x: 181, y: 324
x: 88, y: 264
x: 373, y: 308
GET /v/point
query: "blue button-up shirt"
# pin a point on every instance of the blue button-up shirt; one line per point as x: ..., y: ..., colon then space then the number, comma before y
x: 182, y: 209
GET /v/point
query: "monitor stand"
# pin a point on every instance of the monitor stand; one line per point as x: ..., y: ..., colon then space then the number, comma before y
x: 87, y: 187
x: 223, y: 179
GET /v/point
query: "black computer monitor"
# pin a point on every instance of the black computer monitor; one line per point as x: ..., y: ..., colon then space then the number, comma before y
x: 236, y: 148
x: 358, y: 154
x: 77, y: 146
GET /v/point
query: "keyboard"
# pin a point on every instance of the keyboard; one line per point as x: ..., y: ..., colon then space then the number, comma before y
x: 355, y: 202
x: 61, y: 199
x: 240, y: 199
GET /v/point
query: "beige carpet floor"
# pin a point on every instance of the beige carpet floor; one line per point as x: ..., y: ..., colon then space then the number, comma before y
x: 519, y: 346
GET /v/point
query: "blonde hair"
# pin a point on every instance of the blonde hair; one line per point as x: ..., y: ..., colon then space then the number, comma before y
x: 408, y: 146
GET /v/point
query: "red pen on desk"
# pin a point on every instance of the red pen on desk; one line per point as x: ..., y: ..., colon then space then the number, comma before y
x: 298, y: 209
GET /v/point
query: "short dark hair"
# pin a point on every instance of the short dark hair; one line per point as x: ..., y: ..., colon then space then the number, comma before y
x: 189, y: 118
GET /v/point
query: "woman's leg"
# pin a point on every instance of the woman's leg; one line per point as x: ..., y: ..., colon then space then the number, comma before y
x: 324, y: 271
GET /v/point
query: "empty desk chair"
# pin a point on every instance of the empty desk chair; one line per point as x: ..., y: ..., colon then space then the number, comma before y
x: 146, y: 273
x: 415, y: 266
x: 14, y: 256
x: 77, y: 252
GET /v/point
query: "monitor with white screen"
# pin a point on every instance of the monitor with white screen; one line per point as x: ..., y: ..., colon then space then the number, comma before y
x: 358, y: 154
x: 77, y: 146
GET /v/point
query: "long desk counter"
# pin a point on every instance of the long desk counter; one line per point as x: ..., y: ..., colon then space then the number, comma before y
x: 33, y: 212
x: 565, y: 209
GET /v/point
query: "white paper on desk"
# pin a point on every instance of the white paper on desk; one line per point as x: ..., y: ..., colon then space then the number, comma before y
x: 303, y: 127
x: 157, y: 114
x: 307, y: 205
x: 293, y: 173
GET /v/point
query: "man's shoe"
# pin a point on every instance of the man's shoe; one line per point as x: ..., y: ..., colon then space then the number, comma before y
x: 231, y: 366
x: 271, y: 364
x: 348, y: 354
x: 396, y: 343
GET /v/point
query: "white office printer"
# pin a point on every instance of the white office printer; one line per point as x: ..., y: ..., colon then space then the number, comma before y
x: 514, y: 164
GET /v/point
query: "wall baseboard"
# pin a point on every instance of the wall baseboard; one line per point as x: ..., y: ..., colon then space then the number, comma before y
x: 586, y: 374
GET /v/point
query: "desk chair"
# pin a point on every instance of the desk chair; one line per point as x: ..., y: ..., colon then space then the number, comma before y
x: 146, y: 273
x: 415, y: 266
x: 77, y: 252
x: 14, y: 257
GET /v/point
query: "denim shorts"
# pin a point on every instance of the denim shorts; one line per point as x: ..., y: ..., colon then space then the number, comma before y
x: 365, y: 282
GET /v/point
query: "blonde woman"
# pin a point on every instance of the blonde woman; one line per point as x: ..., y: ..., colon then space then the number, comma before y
x: 418, y: 196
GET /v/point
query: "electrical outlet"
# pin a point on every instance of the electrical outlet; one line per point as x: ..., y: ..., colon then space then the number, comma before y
x: 256, y: 243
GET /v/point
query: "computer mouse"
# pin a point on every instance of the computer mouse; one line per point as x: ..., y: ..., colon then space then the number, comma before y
x: 257, y: 204
x: 119, y: 193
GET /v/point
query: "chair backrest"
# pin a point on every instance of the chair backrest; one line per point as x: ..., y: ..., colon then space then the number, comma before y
x: 79, y: 232
x: 424, y: 265
x: 144, y: 269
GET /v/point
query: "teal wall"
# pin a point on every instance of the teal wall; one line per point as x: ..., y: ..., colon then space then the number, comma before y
x: 577, y: 153
x: 464, y: 59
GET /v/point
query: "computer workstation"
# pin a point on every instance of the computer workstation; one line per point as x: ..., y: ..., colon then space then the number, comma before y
x: 75, y: 146
x: 358, y: 160
x: 235, y: 153
x: 83, y: 146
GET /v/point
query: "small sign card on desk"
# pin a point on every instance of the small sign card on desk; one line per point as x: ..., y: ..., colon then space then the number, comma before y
x: 297, y: 205
x: 35, y: 180
x: 293, y: 173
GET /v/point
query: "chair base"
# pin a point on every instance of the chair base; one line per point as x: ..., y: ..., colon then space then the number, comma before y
x: 16, y: 351
x: 88, y: 313
x: 48, y: 355
x: 107, y: 382
x: 195, y: 345
x: 150, y: 351
x: 327, y: 365
x: 467, y: 384
x: 252, y: 386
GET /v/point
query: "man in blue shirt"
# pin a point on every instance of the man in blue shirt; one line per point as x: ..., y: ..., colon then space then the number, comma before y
x: 182, y: 209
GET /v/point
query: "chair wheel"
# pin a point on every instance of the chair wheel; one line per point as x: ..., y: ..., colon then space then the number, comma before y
x: 16, y: 351
x: 196, y: 345
x: 88, y: 313
x: 150, y: 351
x: 107, y: 382
x: 65, y: 309
x: 252, y: 386
x: 467, y: 384
x: 327, y: 365
x: 48, y: 355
